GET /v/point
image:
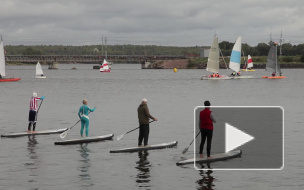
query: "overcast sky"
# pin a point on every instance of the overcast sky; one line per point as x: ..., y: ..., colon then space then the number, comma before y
x: 150, y: 22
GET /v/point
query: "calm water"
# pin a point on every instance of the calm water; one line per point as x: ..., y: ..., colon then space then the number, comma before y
x: 36, y: 163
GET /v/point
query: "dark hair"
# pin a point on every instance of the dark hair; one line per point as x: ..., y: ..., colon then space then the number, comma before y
x: 207, y: 103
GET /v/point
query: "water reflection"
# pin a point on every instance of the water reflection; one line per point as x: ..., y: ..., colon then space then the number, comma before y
x: 85, y: 165
x: 143, y: 167
x: 206, y: 181
x: 33, y: 163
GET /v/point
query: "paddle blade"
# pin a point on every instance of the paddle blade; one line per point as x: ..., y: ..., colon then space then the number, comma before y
x: 185, y: 150
x: 64, y: 134
x: 119, y: 137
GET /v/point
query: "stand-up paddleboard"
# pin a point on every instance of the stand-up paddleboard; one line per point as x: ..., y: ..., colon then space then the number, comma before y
x: 45, y: 132
x: 85, y: 140
x: 136, y: 149
x: 215, y: 158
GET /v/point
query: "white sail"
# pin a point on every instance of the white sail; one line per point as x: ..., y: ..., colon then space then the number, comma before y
x: 105, y: 66
x: 39, y: 71
x: 250, y: 63
x: 2, y: 59
x: 235, y: 58
x: 213, y: 59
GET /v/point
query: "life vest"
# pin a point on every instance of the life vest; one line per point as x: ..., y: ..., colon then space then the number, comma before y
x: 206, y: 121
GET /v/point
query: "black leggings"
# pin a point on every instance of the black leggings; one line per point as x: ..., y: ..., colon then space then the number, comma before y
x: 206, y: 133
x: 143, y: 134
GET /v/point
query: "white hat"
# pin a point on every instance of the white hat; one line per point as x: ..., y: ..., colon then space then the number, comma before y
x: 34, y: 94
x: 144, y: 100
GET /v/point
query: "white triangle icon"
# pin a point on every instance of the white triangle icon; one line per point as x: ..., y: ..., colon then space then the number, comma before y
x: 235, y: 137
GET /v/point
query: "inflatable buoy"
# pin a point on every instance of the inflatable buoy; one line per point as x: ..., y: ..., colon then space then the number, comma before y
x: 175, y: 69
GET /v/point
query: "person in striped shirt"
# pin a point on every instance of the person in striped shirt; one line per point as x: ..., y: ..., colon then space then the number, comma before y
x: 33, y: 112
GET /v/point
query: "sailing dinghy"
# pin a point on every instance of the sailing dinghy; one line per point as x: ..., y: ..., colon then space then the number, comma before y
x: 2, y: 66
x: 105, y: 67
x: 39, y: 72
x: 272, y: 63
x: 235, y: 59
x: 213, y: 63
x: 249, y: 65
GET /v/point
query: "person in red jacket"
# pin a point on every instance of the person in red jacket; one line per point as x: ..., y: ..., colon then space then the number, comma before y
x: 206, y: 121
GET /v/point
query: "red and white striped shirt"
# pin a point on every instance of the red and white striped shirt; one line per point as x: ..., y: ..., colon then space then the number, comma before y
x: 33, y: 103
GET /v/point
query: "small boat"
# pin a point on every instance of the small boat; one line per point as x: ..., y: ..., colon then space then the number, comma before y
x: 152, y: 147
x: 2, y: 66
x: 85, y: 140
x: 215, y: 158
x: 272, y: 63
x: 39, y: 72
x: 105, y: 67
x: 45, y: 132
x: 213, y: 64
x: 235, y: 60
x: 248, y: 65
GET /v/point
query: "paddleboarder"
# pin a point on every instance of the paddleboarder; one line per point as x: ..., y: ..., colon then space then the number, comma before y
x: 206, y: 121
x: 33, y: 112
x: 143, y: 119
x: 83, y: 114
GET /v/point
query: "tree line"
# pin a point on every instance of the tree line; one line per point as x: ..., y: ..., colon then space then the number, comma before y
x: 260, y: 50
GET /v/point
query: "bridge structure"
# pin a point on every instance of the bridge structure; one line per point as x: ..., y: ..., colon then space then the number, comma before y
x: 88, y: 58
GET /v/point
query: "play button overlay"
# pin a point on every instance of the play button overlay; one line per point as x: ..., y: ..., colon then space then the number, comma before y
x: 256, y: 131
x: 231, y: 141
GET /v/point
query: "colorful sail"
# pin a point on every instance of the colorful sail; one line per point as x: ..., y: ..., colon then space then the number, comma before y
x: 213, y: 59
x: 235, y: 58
x: 105, y: 67
x: 250, y: 63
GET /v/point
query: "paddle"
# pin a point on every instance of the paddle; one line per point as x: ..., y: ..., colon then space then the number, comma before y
x: 120, y: 136
x: 186, y: 149
x: 38, y: 110
x: 64, y: 134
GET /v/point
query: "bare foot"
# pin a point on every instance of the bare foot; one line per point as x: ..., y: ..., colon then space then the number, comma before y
x: 29, y: 131
x: 34, y: 132
x: 201, y: 156
x: 209, y: 157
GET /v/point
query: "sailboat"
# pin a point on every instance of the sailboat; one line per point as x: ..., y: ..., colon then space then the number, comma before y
x: 213, y: 63
x: 105, y: 67
x: 235, y: 59
x: 39, y: 72
x: 249, y: 65
x: 2, y: 66
x: 272, y: 63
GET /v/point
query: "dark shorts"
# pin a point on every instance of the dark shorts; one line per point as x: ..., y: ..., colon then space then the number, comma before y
x: 32, y: 115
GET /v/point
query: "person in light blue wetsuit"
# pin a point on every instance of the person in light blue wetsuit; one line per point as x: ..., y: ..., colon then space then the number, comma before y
x: 83, y: 114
